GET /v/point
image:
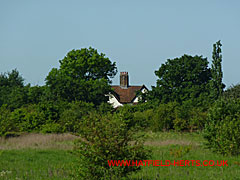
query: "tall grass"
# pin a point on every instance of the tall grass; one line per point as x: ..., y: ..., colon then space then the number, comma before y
x: 39, y: 141
x: 37, y: 156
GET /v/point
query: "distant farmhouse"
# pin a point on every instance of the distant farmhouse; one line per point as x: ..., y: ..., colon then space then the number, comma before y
x: 125, y: 94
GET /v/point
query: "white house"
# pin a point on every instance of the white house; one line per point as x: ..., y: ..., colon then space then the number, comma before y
x: 125, y: 94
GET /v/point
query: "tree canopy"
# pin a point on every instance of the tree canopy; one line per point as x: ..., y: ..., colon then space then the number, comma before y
x: 182, y: 79
x: 83, y: 75
x: 12, y: 90
x: 217, y: 85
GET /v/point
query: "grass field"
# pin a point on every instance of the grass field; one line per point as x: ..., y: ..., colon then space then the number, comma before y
x: 36, y: 156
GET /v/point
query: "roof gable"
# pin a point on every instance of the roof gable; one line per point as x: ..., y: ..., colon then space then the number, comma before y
x: 126, y: 95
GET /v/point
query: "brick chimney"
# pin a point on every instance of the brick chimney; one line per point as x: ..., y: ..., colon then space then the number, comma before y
x: 124, y: 80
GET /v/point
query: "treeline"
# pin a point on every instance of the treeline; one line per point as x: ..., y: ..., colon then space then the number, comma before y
x: 188, y: 96
x: 78, y: 86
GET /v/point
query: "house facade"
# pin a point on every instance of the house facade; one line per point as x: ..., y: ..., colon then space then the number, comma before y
x: 124, y: 93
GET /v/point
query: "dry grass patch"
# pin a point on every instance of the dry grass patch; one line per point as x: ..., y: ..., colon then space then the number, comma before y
x: 39, y: 141
x: 171, y: 142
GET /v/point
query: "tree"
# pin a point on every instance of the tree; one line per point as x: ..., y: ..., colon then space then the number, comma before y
x: 11, y: 79
x: 182, y: 79
x: 83, y: 75
x: 13, y: 93
x: 216, y: 83
x: 105, y: 138
x: 233, y: 92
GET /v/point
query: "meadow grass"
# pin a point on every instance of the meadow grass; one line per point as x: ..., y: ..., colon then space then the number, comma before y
x: 37, y: 156
x: 185, y: 146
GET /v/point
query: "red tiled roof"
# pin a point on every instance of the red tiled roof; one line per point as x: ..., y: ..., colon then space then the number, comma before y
x: 126, y: 95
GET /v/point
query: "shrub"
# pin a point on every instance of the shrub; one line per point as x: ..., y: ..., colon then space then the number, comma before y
x: 232, y: 93
x: 52, y: 110
x: 189, y: 118
x: 164, y: 117
x: 51, y: 128
x: 126, y: 113
x: 11, y: 134
x: 105, y: 138
x: 198, y: 118
x: 104, y: 108
x: 143, y: 119
x: 223, y: 127
x: 182, y: 116
x: 28, y: 119
x: 72, y: 116
x: 6, y: 124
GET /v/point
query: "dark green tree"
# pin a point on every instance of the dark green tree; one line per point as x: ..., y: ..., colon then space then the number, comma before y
x: 232, y: 92
x: 182, y: 79
x: 13, y: 93
x: 217, y: 85
x: 84, y: 75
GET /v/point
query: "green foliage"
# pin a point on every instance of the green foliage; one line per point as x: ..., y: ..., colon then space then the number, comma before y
x: 24, y: 119
x: 11, y: 79
x: 172, y: 116
x: 182, y: 79
x: 164, y: 117
x: 223, y: 127
x: 104, y: 108
x: 198, y: 119
x: 72, y: 116
x: 143, y: 119
x: 105, y: 138
x: 36, y: 94
x: 12, y: 90
x: 126, y: 113
x: 216, y: 83
x: 28, y: 119
x: 189, y: 118
x: 6, y: 124
x: 139, y: 115
x: 51, y: 128
x: 11, y: 134
x: 232, y: 93
x: 83, y: 76
x: 52, y: 110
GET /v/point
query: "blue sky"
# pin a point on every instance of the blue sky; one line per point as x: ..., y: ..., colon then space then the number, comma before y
x: 139, y: 35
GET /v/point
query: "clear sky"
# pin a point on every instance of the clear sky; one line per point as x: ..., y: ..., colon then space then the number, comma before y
x: 139, y: 35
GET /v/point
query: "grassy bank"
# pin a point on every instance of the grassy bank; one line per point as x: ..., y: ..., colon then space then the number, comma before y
x: 36, y: 156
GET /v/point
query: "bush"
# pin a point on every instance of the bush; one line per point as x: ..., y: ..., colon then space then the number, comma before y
x: 104, y: 108
x: 198, y: 118
x: 72, y: 116
x: 28, y: 119
x: 232, y: 93
x: 11, y: 134
x: 143, y: 119
x: 52, y: 110
x: 51, y: 128
x: 223, y: 127
x: 126, y: 113
x: 164, y: 117
x: 6, y: 124
x: 189, y: 118
x: 105, y: 138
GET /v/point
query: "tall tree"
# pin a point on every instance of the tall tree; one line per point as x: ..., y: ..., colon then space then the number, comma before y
x: 12, y: 90
x: 217, y: 85
x: 182, y: 79
x: 83, y: 75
